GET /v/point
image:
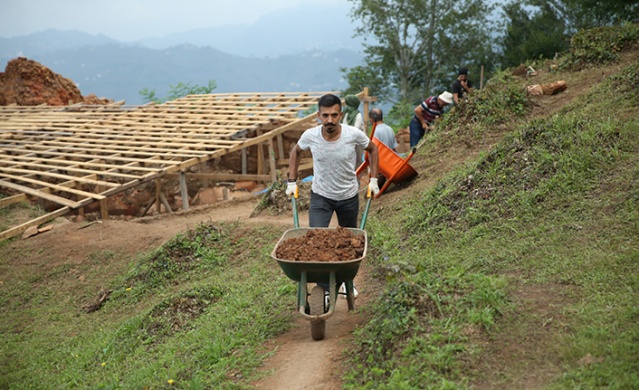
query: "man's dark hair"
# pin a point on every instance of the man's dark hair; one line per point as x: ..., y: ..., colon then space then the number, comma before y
x: 463, y: 71
x: 376, y: 114
x: 329, y: 100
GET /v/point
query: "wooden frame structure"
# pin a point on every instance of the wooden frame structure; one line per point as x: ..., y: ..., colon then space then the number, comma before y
x: 77, y: 155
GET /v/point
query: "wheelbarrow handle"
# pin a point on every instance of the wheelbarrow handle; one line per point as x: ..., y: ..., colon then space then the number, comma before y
x: 368, y: 205
x: 296, y: 219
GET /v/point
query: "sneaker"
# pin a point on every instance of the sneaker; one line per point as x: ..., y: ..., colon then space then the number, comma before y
x: 342, y: 290
x: 327, y: 301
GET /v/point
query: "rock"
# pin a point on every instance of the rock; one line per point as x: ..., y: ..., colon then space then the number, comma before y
x: 535, y: 90
x: 205, y: 196
x: 547, y: 89
x: 45, y: 228
x: 554, y: 88
x: 94, y: 100
x: 30, y: 232
x: 521, y: 70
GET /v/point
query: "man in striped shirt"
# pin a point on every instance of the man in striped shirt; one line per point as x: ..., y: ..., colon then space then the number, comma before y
x: 425, y: 115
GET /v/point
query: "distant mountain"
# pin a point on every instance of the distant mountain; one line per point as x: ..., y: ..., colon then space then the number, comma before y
x: 48, y: 41
x: 119, y: 71
x: 286, y: 31
x: 288, y: 50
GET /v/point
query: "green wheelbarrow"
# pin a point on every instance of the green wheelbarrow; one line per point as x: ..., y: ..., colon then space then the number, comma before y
x: 313, y: 306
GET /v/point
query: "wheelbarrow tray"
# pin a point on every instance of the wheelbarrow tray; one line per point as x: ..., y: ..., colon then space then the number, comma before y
x: 319, y: 271
x: 392, y: 165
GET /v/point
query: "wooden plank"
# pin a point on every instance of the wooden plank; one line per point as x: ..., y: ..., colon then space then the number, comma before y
x: 52, y: 186
x: 271, y: 160
x: 12, y: 199
x: 71, y: 168
x: 40, y: 194
x: 144, y: 151
x: 220, y: 176
x: 111, y: 158
x: 260, y: 156
x: 280, y: 146
x: 124, y: 141
x: 14, y: 231
x: 59, y: 176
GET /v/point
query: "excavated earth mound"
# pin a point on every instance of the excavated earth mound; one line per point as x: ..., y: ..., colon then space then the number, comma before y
x: 28, y: 83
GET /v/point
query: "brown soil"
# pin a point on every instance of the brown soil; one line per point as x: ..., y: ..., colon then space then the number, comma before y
x: 28, y: 83
x: 323, y: 245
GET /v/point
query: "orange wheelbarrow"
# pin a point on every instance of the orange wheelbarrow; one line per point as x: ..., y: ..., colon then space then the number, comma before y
x: 395, y: 168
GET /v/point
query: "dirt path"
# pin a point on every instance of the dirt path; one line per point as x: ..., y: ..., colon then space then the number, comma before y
x: 300, y: 362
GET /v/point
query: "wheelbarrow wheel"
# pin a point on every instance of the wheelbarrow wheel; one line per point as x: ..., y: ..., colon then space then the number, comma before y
x: 316, y: 301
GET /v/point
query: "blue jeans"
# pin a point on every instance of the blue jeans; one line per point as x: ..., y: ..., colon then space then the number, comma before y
x: 321, y: 211
x: 416, y: 131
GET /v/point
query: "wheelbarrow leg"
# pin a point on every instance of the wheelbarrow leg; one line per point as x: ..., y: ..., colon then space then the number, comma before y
x: 302, y: 292
x: 350, y: 294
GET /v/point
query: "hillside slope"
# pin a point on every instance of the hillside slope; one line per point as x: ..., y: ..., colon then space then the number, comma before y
x: 515, y: 266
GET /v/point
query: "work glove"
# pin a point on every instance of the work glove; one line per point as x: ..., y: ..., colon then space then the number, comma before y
x: 291, y: 189
x: 373, y: 187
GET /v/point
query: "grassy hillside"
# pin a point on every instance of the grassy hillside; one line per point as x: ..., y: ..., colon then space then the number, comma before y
x: 519, y: 269
x: 510, y: 262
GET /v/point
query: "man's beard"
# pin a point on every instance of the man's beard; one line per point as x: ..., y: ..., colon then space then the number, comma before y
x: 330, y: 128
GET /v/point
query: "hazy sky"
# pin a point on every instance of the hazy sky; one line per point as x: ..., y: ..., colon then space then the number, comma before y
x: 129, y: 20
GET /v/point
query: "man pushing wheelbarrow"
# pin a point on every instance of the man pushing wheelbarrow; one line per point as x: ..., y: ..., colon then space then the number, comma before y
x: 335, y: 187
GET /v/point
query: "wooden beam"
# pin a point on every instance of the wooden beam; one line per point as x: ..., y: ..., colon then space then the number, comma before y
x: 40, y: 194
x: 260, y: 156
x: 220, y: 176
x: 12, y: 199
x: 184, y: 191
x: 271, y: 160
x: 14, y: 231
x: 158, y: 192
x: 55, y: 187
x: 59, y: 176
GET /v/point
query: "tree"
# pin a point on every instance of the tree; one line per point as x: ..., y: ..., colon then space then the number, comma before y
x: 532, y: 33
x: 177, y: 91
x: 585, y: 14
x: 419, y: 44
x: 542, y: 28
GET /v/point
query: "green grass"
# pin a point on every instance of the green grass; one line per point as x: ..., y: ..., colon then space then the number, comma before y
x: 554, y: 206
x: 196, y: 311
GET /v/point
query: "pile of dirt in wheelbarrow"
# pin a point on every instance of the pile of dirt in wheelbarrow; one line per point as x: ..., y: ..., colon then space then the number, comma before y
x: 325, y: 245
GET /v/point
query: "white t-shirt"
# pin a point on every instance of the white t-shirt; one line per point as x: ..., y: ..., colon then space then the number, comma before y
x: 384, y: 133
x: 334, y: 162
